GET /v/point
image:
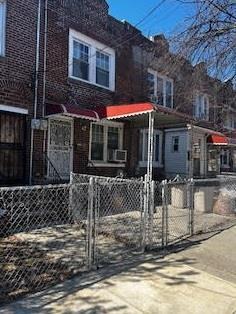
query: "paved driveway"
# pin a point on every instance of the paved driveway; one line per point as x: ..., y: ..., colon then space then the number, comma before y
x: 199, y: 279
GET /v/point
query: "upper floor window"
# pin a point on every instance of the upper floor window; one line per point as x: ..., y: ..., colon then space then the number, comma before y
x: 230, y: 122
x: 201, y: 107
x: 160, y: 89
x: 91, y: 61
x: 2, y: 26
x: 143, y: 148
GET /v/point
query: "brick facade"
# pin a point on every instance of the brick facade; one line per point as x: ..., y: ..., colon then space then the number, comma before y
x: 134, y: 55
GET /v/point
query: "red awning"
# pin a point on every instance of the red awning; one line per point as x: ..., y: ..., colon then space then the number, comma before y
x: 219, y: 140
x: 123, y: 111
x: 71, y: 111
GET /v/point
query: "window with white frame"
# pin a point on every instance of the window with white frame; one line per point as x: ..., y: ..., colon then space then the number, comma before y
x: 161, y: 89
x: 143, y: 148
x: 175, y: 144
x: 91, y: 61
x: 230, y: 122
x: 104, y: 139
x: 201, y: 107
x: 2, y: 26
x: 225, y: 158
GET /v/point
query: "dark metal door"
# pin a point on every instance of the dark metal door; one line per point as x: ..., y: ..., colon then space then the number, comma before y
x: 12, y: 149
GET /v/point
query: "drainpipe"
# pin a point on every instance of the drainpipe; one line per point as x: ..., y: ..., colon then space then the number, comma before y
x: 45, y: 69
x: 35, y: 90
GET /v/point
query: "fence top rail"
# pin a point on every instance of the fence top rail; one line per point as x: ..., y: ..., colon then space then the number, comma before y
x: 108, y: 179
x: 35, y: 187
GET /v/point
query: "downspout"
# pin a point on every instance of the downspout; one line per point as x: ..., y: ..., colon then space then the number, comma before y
x: 35, y: 90
x: 45, y: 70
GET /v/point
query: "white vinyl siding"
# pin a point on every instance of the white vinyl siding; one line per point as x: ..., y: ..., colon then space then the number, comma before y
x: 2, y: 26
x: 176, y: 161
x: 91, y: 61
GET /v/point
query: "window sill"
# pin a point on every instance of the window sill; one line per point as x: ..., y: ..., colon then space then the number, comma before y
x: 73, y: 78
x: 105, y: 165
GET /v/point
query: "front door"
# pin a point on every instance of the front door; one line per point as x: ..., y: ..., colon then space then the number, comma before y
x: 60, y: 148
x: 12, y: 148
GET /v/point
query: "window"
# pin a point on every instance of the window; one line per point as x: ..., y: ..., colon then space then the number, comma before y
x: 230, y: 122
x: 160, y: 89
x: 91, y: 61
x: 80, y: 60
x: 143, y: 148
x: 104, y: 139
x: 175, y: 144
x: 2, y: 26
x: 201, y: 107
x: 102, y: 69
x: 224, y: 158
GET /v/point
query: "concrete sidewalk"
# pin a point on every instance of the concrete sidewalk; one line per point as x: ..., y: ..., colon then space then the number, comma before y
x: 170, y: 284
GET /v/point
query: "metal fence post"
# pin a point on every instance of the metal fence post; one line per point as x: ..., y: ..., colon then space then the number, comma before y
x: 96, y: 220
x: 151, y: 213
x: 145, y: 209
x: 163, y: 220
x: 191, y: 206
x: 90, y: 221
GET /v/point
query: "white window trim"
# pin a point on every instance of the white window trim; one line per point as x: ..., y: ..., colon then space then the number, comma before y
x: 3, y: 27
x: 105, y: 163
x: 156, y: 164
x: 94, y: 46
x: 14, y: 109
x: 196, y: 105
x: 173, y: 142
x: 229, y: 118
x: 228, y: 158
x: 165, y: 79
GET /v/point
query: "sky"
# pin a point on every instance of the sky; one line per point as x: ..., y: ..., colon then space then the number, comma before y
x: 166, y: 19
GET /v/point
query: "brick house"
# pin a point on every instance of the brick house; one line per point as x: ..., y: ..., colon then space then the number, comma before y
x: 58, y: 58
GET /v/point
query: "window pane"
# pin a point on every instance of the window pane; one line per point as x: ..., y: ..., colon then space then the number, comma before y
x: 169, y: 94
x: 145, y: 153
x: 113, y: 138
x: 81, y: 61
x: 151, y: 84
x: 160, y: 86
x: 175, y: 143
x: 2, y: 26
x: 102, y: 69
x: 141, y: 146
x: 157, y: 147
x: 97, y: 149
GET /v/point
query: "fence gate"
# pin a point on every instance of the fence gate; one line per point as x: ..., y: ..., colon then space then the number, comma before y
x: 118, y: 219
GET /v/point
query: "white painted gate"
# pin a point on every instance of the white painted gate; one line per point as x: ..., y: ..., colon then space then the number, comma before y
x: 60, y: 148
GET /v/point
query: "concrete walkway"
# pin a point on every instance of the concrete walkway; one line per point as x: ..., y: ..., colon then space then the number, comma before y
x: 176, y: 283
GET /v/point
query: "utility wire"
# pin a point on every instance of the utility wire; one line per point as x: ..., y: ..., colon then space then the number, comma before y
x: 124, y: 38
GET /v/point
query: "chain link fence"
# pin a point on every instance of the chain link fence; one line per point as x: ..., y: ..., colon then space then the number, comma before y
x: 49, y: 233
x: 42, y: 240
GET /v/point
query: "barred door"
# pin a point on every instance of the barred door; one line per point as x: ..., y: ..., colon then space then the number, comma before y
x: 60, y: 148
x: 12, y: 149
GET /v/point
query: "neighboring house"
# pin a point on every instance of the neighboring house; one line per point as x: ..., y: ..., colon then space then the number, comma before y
x: 65, y: 67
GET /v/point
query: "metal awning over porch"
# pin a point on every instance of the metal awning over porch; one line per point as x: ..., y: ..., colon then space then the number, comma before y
x: 139, y: 112
x: 71, y: 111
x: 221, y: 140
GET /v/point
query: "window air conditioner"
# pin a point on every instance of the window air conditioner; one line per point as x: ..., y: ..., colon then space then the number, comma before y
x: 117, y: 155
